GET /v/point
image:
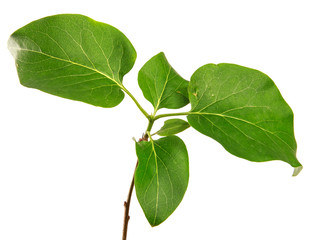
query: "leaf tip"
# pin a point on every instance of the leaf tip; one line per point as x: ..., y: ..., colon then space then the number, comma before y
x: 297, y: 170
x: 13, y: 47
x: 161, y: 54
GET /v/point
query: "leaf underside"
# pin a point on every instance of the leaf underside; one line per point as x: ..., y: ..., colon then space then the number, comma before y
x: 74, y: 57
x: 162, y: 85
x: 173, y: 126
x: 243, y: 110
x: 161, y: 177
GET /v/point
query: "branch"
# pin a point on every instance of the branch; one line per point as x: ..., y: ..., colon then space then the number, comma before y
x: 127, y: 207
x: 128, y: 201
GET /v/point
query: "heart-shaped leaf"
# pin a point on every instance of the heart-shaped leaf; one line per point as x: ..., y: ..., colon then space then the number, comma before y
x: 162, y: 85
x: 173, y: 126
x: 243, y: 110
x: 74, y: 57
x: 161, y: 177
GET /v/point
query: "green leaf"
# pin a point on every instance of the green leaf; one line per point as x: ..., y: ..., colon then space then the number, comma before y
x: 74, y: 57
x: 162, y: 85
x: 243, y: 110
x: 161, y: 177
x: 173, y: 126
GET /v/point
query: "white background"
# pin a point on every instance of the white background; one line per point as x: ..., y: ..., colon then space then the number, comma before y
x: 65, y: 166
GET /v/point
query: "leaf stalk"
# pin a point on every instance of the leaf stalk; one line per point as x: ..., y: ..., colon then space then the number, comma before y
x: 136, y: 102
x: 171, y: 115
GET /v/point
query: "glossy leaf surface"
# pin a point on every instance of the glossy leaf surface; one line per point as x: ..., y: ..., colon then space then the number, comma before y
x: 243, y: 110
x: 162, y: 85
x: 74, y: 57
x: 161, y: 177
x: 173, y: 126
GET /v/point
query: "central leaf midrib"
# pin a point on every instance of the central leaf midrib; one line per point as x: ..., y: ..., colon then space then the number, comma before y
x: 74, y: 63
x: 157, y: 181
x: 171, y: 128
x: 245, y: 121
x: 163, y: 90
